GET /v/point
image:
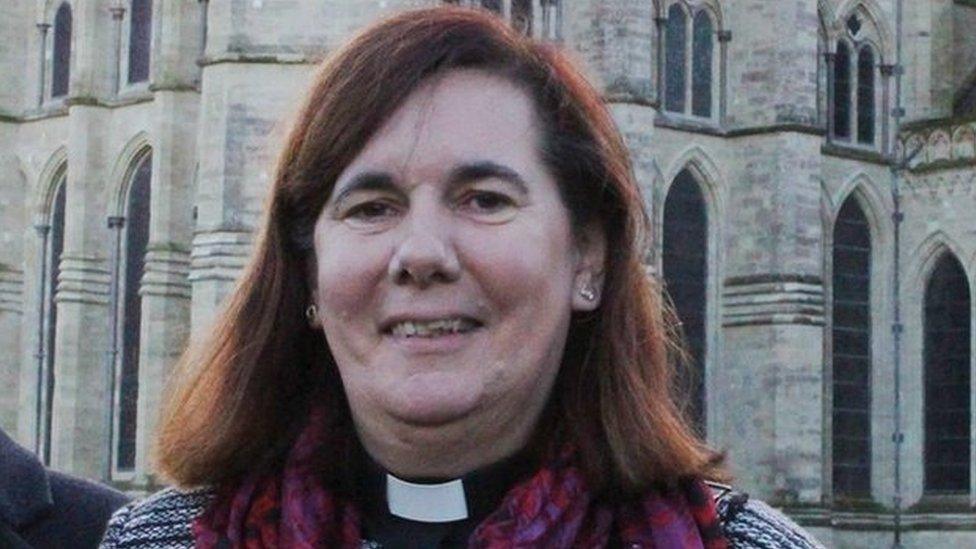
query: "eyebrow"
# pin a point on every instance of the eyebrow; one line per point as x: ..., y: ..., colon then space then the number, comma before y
x: 485, y: 169
x: 465, y: 173
x: 366, y: 181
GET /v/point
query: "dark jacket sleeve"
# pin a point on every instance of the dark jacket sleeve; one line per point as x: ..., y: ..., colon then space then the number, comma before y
x: 79, y: 515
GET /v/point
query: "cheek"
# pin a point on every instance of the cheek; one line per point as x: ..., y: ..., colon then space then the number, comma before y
x: 347, y: 277
x: 524, y: 267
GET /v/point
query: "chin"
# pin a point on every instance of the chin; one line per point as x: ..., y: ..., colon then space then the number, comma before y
x: 428, y: 402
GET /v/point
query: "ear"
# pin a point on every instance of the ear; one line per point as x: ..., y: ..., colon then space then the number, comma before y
x: 314, y: 320
x: 591, y: 263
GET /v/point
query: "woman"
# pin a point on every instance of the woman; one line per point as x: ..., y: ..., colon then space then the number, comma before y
x: 445, y: 337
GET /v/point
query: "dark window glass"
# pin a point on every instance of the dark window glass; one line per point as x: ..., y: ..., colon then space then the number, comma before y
x: 522, y: 16
x: 61, y: 67
x: 842, y: 92
x: 865, y: 96
x: 701, y: 73
x: 140, y: 29
x: 674, y: 59
x: 851, y: 335
x: 55, y: 245
x: 947, y: 379
x: 136, y: 239
x: 685, y: 269
x: 493, y: 5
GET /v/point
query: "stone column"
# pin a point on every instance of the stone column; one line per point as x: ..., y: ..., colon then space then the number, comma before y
x: 13, y: 220
x: 831, y: 100
x: 165, y: 288
x: 118, y: 13
x: 769, y: 405
x: 11, y: 288
x: 42, y: 29
x: 724, y: 37
x: 81, y: 393
x: 660, y: 23
x: 886, y: 73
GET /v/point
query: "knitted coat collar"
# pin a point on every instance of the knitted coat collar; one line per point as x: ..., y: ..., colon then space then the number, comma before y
x: 551, y: 508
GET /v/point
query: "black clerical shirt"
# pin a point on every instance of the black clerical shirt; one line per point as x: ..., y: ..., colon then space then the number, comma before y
x: 484, y: 490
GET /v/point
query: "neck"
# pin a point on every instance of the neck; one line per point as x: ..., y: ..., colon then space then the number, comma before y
x: 440, y: 452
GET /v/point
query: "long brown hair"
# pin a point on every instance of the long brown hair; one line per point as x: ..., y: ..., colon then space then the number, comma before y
x: 239, y: 395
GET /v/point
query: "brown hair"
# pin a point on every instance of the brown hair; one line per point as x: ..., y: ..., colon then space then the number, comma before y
x: 239, y: 396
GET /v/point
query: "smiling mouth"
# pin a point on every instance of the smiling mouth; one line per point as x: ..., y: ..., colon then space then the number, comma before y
x: 432, y: 328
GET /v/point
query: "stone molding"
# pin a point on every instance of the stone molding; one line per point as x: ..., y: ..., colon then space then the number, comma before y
x: 883, y: 520
x: 219, y: 255
x: 261, y: 58
x: 773, y: 299
x: 11, y: 291
x: 167, y: 272
x: 959, y: 183
x: 940, y: 144
x: 83, y: 279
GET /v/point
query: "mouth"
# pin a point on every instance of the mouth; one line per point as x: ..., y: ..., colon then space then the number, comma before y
x: 416, y: 328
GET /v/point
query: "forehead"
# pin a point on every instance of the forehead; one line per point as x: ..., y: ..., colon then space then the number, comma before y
x: 459, y: 116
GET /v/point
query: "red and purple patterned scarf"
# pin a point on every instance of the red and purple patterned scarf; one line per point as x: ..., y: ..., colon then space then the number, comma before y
x: 552, y: 508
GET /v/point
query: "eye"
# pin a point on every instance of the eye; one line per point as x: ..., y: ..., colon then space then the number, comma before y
x: 371, y: 212
x: 486, y: 202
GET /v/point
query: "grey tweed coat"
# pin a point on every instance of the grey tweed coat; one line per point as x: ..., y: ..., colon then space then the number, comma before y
x: 163, y: 521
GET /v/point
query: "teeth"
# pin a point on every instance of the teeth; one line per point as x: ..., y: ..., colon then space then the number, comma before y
x: 432, y: 328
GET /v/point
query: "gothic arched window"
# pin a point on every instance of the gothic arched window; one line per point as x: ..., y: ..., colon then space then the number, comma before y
x: 701, y: 63
x: 842, y: 91
x: 61, y: 62
x: 865, y: 95
x: 140, y: 31
x: 854, y: 80
x: 52, y: 261
x: 675, y: 59
x: 851, y: 352
x: 947, y: 354
x: 136, y: 241
x: 685, y: 241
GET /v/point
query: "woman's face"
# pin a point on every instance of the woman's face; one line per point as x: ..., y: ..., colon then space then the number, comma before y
x: 447, y: 269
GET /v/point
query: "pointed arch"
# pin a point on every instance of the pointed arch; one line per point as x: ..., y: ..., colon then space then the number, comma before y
x: 696, y: 159
x: 696, y: 172
x: 121, y: 176
x: 926, y: 255
x: 684, y: 270
x: 136, y: 211
x: 851, y: 356
x: 702, y: 53
x: 883, y: 36
x: 875, y: 203
x: 50, y: 268
x: 676, y: 57
x: 61, y: 50
x: 947, y: 375
x: 48, y: 180
x: 842, y: 82
x: 140, y: 34
x: 826, y: 13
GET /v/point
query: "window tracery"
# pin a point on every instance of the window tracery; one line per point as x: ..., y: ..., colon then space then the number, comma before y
x: 691, y: 72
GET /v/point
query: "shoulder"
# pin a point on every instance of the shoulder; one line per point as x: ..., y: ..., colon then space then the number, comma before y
x: 751, y: 524
x: 80, y: 511
x: 93, y: 498
x: 160, y: 521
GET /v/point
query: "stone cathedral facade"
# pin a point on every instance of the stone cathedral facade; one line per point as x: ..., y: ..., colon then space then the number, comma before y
x: 809, y: 166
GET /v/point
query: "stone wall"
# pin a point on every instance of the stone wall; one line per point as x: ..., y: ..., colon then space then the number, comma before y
x: 214, y: 115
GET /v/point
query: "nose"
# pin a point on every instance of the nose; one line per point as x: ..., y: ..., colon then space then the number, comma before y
x: 426, y: 254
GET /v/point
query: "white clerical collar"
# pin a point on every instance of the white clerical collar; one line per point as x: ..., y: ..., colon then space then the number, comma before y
x: 444, y: 502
